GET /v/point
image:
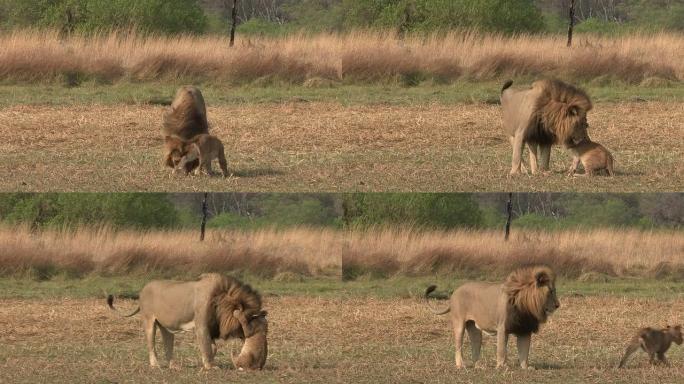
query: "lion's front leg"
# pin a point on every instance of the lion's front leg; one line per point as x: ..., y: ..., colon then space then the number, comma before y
x: 545, y: 155
x: 501, y: 345
x: 524, y: 350
x: 534, y: 165
x: 205, y: 344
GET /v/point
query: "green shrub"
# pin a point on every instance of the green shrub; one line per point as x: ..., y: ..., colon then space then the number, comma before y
x: 429, y: 210
x: 158, y: 16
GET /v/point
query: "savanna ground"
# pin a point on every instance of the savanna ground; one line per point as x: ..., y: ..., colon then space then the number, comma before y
x: 61, y: 331
x: 357, y: 112
x: 364, y: 324
x: 417, y: 144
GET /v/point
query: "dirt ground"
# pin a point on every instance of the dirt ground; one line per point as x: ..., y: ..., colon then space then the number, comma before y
x: 359, y: 340
x: 328, y: 147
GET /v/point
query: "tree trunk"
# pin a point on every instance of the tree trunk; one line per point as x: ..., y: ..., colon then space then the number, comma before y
x: 205, y: 212
x: 234, y: 24
x: 572, y: 22
x: 509, y: 211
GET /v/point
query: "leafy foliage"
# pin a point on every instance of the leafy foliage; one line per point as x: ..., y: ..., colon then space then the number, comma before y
x: 431, y: 210
x: 136, y: 210
x: 160, y: 16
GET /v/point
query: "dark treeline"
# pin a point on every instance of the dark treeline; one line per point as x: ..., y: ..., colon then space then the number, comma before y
x: 273, y: 17
x: 429, y: 211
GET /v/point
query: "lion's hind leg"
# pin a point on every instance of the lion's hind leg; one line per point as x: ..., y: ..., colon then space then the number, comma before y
x: 167, y: 338
x: 475, y: 337
x: 459, y: 328
x: 150, y: 328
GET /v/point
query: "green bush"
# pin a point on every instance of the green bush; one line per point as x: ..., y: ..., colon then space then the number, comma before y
x: 279, y: 211
x: 120, y: 210
x: 429, y: 210
x: 158, y: 16
x: 509, y: 16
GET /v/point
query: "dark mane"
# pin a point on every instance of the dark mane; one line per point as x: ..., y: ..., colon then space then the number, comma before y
x: 520, y: 323
x: 231, y: 294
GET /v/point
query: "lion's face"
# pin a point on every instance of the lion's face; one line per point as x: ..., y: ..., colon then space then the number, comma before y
x: 580, y: 126
x: 551, y: 303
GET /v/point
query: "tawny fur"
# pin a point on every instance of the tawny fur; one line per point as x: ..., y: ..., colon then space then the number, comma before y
x: 654, y: 342
x: 187, y: 115
x: 593, y: 156
x: 195, y: 154
x: 518, y: 306
x: 255, y: 348
x: 206, y: 305
x: 551, y: 112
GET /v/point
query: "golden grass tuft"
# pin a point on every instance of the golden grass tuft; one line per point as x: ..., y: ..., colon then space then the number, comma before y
x: 43, y: 254
x: 361, y: 56
x: 386, y: 252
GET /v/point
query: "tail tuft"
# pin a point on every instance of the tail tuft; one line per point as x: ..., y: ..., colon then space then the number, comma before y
x: 506, y: 85
x: 110, y: 301
x: 429, y: 290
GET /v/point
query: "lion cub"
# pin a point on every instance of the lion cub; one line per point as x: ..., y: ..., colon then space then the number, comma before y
x: 594, y: 157
x: 654, y: 342
x: 196, y: 153
x: 254, y: 351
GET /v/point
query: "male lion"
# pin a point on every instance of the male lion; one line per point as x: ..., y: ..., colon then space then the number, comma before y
x: 593, y: 156
x: 187, y: 116
x: 550, y: 112
x: 654, y: 342
x: 206, y: 305
x: 518, y: 306
x: 254, y: 351
x: 197, y: 153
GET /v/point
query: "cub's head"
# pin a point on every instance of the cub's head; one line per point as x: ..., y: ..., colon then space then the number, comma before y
x: 173, y: 151
x: 676, y: 333
x: 255, y: 350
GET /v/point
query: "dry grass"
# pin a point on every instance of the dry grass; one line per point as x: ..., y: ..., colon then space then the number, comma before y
x: 333, y: 341
x: 321, y: 252
x: 328, y: 147
x: 359, y: 56
x: 478, y: 253
x: 309, y: 252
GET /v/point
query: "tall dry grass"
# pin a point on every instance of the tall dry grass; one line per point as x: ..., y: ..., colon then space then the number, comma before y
x: 571, y: 253
x: 355, y: 57
x: 324, y: 252
x: 268, y: 253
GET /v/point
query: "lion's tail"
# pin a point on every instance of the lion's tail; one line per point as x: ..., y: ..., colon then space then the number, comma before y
x: 110, y: 304
x: 506, y: 85
x: 436, y: 311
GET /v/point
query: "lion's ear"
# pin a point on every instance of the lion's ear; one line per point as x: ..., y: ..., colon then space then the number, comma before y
x: 573, y: 110
x: 542, y: 278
